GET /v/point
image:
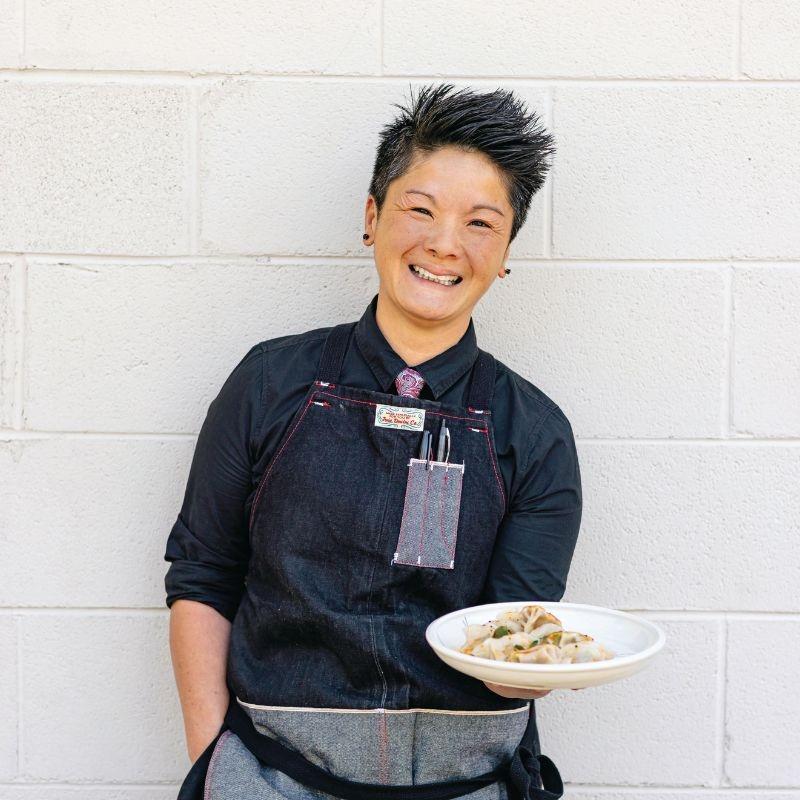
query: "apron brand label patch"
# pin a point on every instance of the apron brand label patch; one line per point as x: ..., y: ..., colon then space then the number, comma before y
x: 407, y: 419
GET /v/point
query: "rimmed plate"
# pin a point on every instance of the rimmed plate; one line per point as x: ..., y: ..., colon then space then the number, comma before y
x: 633, y: 640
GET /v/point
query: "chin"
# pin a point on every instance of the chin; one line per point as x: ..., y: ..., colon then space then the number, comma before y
x: 431, y: 309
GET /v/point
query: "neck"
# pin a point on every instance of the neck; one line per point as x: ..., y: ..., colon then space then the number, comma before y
x: 416, y: 341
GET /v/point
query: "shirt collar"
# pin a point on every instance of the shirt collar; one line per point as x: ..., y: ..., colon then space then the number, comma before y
x: 439, y: 372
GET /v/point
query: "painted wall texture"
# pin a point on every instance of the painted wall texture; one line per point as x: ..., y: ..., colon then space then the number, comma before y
x: 179, y: 181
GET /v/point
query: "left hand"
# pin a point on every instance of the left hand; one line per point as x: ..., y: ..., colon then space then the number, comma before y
x: 521, y: 694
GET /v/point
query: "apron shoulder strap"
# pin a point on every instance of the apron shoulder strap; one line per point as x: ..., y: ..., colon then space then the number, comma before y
x: 330, y: 363
x: 482, y: 384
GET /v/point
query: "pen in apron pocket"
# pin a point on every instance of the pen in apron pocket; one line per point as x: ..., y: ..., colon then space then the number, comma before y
x: 425, y: 445
x: 442, y: 435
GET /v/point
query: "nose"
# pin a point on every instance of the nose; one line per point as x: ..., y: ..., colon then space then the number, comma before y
x: 443, y: 241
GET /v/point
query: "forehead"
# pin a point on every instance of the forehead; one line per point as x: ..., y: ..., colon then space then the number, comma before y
x: 454, y: 175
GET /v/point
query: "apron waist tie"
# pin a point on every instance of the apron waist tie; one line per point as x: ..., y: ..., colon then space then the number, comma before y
x: 523, y: 772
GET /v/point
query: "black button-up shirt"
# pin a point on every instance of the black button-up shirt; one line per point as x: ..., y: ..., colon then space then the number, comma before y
x: 208, y: 546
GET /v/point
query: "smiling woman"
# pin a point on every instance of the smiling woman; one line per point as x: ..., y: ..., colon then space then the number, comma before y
x: 446, y: 202
x: 353, y: 483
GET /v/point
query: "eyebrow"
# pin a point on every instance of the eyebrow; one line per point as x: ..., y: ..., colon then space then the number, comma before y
x: 474, y: 208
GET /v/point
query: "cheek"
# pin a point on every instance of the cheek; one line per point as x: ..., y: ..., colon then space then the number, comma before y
x: 393, y: 248
x: 401, y: 237
x: 485, y: 262
x: 408, y: 229
x: 490, y: 247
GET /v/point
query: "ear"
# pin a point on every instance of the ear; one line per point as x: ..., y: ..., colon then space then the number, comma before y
x: 370, y: 216
x: 502, y: 272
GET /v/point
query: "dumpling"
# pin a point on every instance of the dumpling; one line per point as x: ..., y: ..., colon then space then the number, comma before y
x: 476, y: 633
x: 531, y: 635
x: 512, y: 620
x: 539, y: 622
x: 490, y: 647
x: 584, y: 652
x: 562, y: 638
x: 539, y: 654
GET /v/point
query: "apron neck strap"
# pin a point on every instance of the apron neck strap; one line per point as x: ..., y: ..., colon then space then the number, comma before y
x: 330, y: 364
x: 481, y: 386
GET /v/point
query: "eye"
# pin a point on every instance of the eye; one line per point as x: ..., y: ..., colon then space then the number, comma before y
x: 427, y: 211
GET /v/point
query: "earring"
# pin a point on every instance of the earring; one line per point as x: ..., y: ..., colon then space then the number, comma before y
x: 508, y: 271
x: 365, y: 236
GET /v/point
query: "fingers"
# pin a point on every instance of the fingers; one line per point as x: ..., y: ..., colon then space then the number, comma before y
x: 514, y: 692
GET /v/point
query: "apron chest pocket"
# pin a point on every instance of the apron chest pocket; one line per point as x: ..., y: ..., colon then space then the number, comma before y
x: 431, y: 507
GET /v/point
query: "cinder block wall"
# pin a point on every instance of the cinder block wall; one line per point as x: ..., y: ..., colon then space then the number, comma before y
x: 180, y: 181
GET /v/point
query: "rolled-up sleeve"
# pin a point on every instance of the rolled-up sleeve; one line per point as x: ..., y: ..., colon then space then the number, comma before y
x: 208, y: 546
x: 537, y: 537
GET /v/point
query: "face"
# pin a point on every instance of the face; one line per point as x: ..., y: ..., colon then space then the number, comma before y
x: 438, y: 247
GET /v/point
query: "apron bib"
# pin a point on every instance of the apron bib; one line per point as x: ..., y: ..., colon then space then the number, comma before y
x: 356, y: 547
x: 357, y: 544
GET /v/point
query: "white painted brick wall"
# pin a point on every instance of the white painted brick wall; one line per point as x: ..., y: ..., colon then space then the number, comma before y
x: 180, y: 181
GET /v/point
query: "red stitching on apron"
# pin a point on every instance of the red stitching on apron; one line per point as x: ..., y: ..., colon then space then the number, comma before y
x: 442, y: 495
x: 483, y: 430
x: 455, y: 530
x: 403, y: 519
x: 424, y: 524
x: 370, y: 403
x: 383, y: 748
x: 272, y: 463
x: 494, y: 467
x: 451, y: 545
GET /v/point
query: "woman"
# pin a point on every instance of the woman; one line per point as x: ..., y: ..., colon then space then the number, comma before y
x: 306, y: 561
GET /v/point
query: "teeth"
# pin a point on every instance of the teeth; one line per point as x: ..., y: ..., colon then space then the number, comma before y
x: 429, y: 276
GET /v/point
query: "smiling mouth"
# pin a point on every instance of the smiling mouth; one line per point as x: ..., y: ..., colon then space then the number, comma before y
x: 442, y: 280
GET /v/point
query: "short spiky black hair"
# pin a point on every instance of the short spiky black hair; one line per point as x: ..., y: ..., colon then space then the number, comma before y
x: 495, y: 123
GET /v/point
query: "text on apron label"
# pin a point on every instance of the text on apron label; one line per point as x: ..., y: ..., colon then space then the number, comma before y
x: 407, y: 419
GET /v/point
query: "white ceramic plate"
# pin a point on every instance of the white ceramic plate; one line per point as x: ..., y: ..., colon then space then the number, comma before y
x: 633, y: 640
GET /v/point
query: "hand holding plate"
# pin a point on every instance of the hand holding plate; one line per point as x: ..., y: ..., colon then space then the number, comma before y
x: 514, y: 691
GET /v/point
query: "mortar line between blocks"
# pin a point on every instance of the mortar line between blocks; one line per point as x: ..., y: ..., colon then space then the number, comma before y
x: 11, y: 434
x: 20, y: 612
x: 549, y: 114
x: 727, y: 335
x: 44, y: 783
x: 703, y: 441
x: 18, y: 625
x: 280, y: 260
x: 720, y: 703
x: 380, y: 36
x: 710, y: 615
x: 737, y: 42
x: 23, y: 44
x: 193, y: 157
x: 20, y: 339
x: 664, y: 614
x: 615, y: 791
x: 726, y: 781
x: 484, y: 80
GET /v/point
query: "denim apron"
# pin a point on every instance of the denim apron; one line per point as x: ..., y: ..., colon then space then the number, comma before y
x: 356, y: 546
